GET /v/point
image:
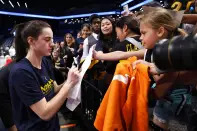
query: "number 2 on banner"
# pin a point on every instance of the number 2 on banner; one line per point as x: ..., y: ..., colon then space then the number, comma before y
x: 176, y: 6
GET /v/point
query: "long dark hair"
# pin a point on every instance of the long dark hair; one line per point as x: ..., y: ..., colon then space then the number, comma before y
x: 65, y: 42
x: 23, y: 31
x: 131, y: 22
x: 113, y: 35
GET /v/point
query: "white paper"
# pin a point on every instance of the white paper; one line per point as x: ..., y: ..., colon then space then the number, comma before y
x: 126, y: 10
x: 74, y: 94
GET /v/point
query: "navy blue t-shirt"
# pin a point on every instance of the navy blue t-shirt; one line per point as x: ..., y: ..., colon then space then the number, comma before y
x: 29, y: 85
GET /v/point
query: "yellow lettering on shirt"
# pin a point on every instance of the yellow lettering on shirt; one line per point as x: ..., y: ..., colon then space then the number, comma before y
x: 131, y: 47
x: 47, y: 87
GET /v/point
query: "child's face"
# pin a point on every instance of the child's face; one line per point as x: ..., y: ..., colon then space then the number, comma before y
x: 149, y: 36
x: 120, y: 34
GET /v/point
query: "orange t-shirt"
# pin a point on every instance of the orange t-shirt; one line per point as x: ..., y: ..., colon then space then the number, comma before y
x: 125, y: 104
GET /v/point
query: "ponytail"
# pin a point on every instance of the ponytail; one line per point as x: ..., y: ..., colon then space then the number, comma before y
x: 176, y: 32
x: 20, y: 46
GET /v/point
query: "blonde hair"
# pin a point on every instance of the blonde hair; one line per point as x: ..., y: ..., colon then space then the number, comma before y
x: 160, y: 17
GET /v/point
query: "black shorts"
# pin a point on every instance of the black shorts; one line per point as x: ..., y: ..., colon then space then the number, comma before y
x: 6, y: 111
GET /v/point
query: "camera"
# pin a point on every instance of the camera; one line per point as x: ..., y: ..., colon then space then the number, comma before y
x: 176, y: 54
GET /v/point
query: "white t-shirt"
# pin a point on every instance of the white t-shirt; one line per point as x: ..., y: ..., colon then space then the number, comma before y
x: 12, y: 51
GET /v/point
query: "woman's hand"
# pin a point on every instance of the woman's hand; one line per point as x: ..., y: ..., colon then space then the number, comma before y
x: 73, y: 76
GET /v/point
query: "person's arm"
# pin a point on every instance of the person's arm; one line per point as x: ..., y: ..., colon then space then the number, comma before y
x: 46, y: 110
x: 164, y: 82
x: 184, y: 77
x: 118, y: 55
x: 189, y: 18
x: 167, y: 80
x: 187, y: 77
x: 57, y: 87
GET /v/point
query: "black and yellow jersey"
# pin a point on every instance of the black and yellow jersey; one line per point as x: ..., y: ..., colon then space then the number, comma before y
x: 131, y: 44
